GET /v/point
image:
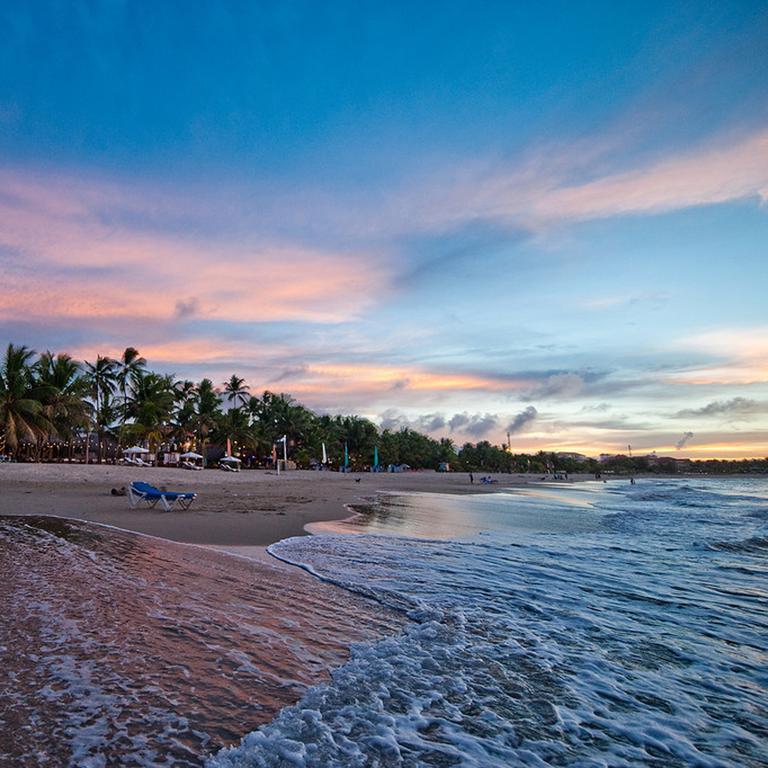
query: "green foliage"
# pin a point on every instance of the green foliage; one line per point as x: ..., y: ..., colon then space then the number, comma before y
x: 56, y: 398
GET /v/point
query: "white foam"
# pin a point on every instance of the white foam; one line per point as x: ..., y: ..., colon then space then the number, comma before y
x: 621, y: 647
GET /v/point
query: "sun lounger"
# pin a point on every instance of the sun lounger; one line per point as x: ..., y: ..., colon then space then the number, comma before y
x: 189, y: 465
x: 228, y: 467
x: 145, y: 493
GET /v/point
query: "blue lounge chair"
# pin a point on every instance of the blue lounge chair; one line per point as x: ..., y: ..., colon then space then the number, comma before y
x: 145, y: 493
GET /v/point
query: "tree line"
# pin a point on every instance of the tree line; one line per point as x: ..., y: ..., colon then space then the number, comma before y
x: 52, y: 400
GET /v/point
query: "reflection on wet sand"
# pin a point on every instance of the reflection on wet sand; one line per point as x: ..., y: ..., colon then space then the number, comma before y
x: 126, y: 649
x: 444, y: 516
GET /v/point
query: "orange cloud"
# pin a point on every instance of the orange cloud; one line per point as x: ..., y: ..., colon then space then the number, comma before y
x: 401, y: 377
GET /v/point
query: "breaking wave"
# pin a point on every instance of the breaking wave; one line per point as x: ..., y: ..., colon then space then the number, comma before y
x: 621, y: 644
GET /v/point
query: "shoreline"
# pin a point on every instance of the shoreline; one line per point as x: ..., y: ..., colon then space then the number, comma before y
x: 248, y: 509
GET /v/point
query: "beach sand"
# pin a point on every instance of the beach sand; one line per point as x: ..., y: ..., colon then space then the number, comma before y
x: 252, y: 508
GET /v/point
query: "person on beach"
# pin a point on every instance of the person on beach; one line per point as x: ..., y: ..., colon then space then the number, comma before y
x: 471, y: 478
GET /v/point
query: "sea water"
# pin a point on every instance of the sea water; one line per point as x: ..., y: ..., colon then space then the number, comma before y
x: 582, y: 625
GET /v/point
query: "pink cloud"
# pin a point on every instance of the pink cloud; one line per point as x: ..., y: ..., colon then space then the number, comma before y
x: 705, y: 176
x: 537, y: 191
x: 106, y: 270
x: 743, y: 354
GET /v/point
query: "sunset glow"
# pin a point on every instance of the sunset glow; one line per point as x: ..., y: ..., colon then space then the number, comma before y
x: 556, y: 219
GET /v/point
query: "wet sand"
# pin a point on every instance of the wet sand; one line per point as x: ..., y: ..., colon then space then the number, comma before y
x: 247, y: 509
x: 120, y: 649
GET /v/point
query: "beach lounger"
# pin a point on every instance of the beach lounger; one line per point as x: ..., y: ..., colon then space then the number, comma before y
x: 228, y: 467
x: 145, y: 493
x: 190, y: 465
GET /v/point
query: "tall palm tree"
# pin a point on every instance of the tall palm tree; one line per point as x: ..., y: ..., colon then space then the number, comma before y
x: 65, y: 389
x: 236, y: 391
x: 102, y: 381
x: 129, y: 367
x: 206, y: 409
x: 21, y: 409
x: 183, y: 421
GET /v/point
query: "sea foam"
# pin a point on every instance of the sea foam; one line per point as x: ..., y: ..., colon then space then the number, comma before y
x: 626, y: 643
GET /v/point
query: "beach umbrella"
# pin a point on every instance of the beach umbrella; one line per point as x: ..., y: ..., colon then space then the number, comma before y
x: 346, y: 455
x: 190, y: 455
x: 230, y: 459
x: 325, y: 455
x: 375, y: 456
x: 136, y: 449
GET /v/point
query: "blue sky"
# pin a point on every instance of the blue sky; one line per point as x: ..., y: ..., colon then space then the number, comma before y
x: 442, y: 215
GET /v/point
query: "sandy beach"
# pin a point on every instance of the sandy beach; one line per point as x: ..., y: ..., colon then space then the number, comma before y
x: 216, y: 644
x: 247, y: 509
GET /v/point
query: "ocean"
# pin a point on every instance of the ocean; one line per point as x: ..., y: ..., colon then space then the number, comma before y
x: 594, y: 624
x: 580, y: 624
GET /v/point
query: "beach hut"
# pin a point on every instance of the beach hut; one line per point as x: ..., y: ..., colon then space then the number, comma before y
x: 189, y: 460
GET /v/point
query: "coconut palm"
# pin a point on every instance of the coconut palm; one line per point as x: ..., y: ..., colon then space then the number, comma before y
x: 183, y: 420
x: 102, y: 385
x: 236, y: 391
x: 235, y: 425
x: 63, y: 395
x: 150, y: 407
x: 129, y: 367
x: 21, y: 410
x: 206, y: 410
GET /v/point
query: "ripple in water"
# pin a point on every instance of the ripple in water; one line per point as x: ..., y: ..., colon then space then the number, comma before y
x: 638, y: 635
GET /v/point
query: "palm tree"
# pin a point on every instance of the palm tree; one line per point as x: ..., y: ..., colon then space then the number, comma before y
x: 236, y: 391
x: 129, y: 367
x: 21, y: 410
x: 235, y: 425
x: 184, y: 417
x: 63, y: 402
x: 151, y: 407
x: 206, y: 408
x: 102, y: 380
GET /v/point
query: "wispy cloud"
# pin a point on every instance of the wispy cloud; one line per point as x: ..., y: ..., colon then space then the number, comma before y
x: 733, y: 356
x: 736, y: 407
x: 104, y: 269
x: 543, y: 188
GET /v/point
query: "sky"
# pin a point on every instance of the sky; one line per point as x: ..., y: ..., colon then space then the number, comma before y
x: 548, y: 219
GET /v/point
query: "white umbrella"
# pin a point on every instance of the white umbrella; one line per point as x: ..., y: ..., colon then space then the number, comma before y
x: 136, y: 449
x: 190, y: 455
x: 230, y: 458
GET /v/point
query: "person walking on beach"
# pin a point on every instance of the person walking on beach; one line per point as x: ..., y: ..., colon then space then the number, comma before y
x: 471, y: 478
